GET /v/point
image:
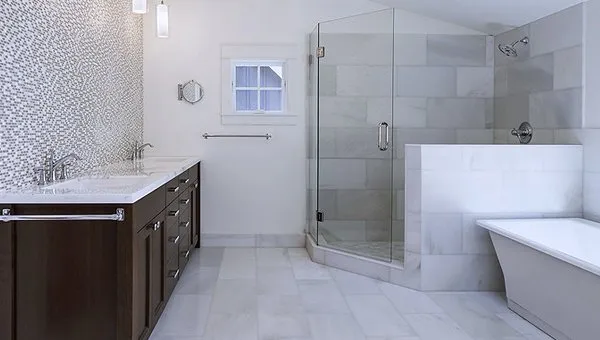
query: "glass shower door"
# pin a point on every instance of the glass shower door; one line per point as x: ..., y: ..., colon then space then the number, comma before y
x: 355, y: 120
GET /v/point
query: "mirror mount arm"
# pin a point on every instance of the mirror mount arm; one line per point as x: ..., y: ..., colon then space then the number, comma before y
x: 180, y: 92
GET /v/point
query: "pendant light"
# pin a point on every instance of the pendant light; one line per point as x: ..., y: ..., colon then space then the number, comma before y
x: 139, y: 6
x: 162, y: 20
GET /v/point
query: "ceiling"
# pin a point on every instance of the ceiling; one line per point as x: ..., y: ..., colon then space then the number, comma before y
x: 487, y: 16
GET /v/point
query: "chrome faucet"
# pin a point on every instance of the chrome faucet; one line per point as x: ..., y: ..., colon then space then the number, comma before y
x: 48, y: 173
x: 138, y: 151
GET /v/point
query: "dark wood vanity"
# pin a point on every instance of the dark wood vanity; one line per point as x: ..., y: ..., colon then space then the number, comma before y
x: 97, y: 280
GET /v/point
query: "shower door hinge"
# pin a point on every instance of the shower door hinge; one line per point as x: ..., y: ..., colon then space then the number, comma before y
x: 320, y: 216
x: 321, y: 52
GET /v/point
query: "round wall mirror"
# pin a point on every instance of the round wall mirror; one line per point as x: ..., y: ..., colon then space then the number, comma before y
x: 191, y: 92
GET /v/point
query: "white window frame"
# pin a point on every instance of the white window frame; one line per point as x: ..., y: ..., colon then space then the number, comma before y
x: 258, y: 88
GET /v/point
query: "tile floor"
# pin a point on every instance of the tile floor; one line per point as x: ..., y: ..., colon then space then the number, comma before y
x: 269, y: 294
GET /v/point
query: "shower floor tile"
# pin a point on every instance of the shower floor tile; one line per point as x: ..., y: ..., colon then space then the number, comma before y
x: 313, y: 302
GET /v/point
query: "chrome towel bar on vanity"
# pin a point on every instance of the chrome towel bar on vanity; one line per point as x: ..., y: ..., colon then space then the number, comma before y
x: 119, y: 215
x: 267, y: 136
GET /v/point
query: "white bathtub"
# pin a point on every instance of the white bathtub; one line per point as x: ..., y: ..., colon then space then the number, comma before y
x: 552, y: 273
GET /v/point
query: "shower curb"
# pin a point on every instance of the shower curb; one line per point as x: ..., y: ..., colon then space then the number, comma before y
x: 407, y: 275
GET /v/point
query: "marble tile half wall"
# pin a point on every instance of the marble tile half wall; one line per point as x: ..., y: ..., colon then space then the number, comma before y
x: 449, y: 187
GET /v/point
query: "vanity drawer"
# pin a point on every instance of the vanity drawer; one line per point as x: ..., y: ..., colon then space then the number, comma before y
x: 184, y: 180
x: 173, y: 190
x: 172, y: 274
x: 185, y: 200
x: 173, y: 240
x: 173, y: 212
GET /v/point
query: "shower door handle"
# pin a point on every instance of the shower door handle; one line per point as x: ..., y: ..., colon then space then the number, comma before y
x: 383, y: 142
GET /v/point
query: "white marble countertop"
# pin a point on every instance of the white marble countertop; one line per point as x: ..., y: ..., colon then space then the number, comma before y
x: 118, y: 183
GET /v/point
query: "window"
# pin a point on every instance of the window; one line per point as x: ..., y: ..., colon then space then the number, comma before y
x: 258, y: 87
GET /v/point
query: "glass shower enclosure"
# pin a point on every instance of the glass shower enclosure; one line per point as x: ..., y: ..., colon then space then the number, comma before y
x: 377, y: 84
x: 351, y: 146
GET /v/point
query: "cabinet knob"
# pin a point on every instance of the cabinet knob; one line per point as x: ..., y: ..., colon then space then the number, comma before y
x: 196, y: 185
x: 185, y: 254
x: 184, y: 224
x: 174, y: 240
x: 185, y: 201
x: 174, y: 213
x: 174, y: 273
x: 175, y: 189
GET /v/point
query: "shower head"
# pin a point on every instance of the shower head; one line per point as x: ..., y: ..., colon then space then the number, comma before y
x: 510, y: 50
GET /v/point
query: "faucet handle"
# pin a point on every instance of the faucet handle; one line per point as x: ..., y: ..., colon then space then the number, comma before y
x: 64, y: 171
x: 40, y: 175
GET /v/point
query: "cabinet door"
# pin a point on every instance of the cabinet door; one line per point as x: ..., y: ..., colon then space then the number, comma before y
x: 195, y: 212
x: 142, y: 318
x: 157, y: 267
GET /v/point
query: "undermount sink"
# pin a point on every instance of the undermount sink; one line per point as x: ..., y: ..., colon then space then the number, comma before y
x: 106, y: 183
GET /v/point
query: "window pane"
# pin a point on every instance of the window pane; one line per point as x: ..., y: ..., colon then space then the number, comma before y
x: 270, y: 100
x: 246, y: 100
x: 271, y: 76
x: 246, y: 76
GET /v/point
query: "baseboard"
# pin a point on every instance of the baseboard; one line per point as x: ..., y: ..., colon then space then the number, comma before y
x: 254, y: 240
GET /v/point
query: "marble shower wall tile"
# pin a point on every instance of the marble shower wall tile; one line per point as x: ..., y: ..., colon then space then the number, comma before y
x: 373, y: 81
x: 475, y: 82
x: 454, y: 50
x: 543, y: 85
x: 557, y: 109
x: 357, y: 49
x: 410, y: 49
x: 343, y: 111
x: 568, y: 68
x: 531, y: 75
x: 458, y: 113
x: 510, y: 111
x: 426, y: 81
x: 558, y: 31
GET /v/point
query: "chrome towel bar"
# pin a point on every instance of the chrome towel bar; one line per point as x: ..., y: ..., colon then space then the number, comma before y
x: 119, y: 215
x: 267, y: 136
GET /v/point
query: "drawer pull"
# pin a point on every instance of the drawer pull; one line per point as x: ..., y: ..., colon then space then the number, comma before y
x: 174, y: 274
x: 184, y: 181
x: 174, y: 240
x: 185, y: 201
x: 175, y: 189
x: 185, y: 254
x: 157, y: 225
x: 196, y: 185
x: 184, y: 224
x: 174, y: 213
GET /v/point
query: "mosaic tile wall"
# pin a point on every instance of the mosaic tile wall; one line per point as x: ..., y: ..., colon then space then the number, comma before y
x: 71, y: 79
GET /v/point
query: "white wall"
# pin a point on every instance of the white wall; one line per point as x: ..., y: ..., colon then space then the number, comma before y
x: 249, y: 186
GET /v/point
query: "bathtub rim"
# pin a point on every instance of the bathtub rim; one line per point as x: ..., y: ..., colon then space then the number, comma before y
x: 491, y: 225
